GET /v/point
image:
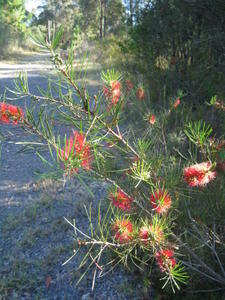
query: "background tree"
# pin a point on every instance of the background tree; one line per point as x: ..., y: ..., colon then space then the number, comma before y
x: 181, y: 44
x: 90, y: 10
x: 133, y: 9
x: 63, y: 12
x: 13, y: 19
x: 95, y: 19
x: 101, y: 17
x: 114, y: 17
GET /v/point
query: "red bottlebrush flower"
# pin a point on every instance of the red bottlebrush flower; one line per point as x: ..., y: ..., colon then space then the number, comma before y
x: 129, y: 85
x: 115, y: 96
x: 140, y: 93
x: 156, y: 233
x: 3, y: 113
x: 161, y: 201
x: 199, y: 174
x: 121, y: 200
x: 115, y: 85
x: 152, y: 119
x: 15, y: 113
x: 152, y: 234
x: 13, y: 110
x: 123, y: 230
x: 219, y: 104
x: 76, y: 146
x: 113, y: 92
x: 10, y: 113
x: 144, y: 234
x: 176, y: 103
x: 106, y: 92
x: 165, y: 259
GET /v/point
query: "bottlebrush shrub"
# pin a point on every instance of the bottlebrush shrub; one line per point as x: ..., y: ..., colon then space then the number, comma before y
x: 138, y: 224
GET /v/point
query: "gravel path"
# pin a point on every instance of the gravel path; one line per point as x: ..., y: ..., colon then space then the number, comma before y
x: 34, y: 238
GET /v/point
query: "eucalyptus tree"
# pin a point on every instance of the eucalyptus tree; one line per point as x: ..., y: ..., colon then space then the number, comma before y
x: 60, y: 12
x: 183, y: 42
x: 101, y: 17
x: 13, y: 18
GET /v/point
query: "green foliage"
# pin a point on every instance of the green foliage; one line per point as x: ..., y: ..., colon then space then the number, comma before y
x: 179, y: 275
x: 13, y: 27
x: 110, y: 75
x: 198, y: 132
x: 170, y: 42
x: 57, y: 38
x: 111, y: 55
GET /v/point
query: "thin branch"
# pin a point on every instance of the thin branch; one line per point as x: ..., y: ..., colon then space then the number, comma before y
x: 115, y: 184
x: 213, y: 273
x: 71, y: 106
x: 90, y: 128
x: 97, y: 265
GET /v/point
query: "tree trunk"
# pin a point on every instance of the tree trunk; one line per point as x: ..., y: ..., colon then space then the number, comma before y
x: 137, y: 11
x: 104, y: 18
x: 131, y: 12
x: 101, y: 19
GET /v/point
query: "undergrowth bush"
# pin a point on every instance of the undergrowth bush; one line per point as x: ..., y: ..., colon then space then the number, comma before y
x: 165, y: 172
